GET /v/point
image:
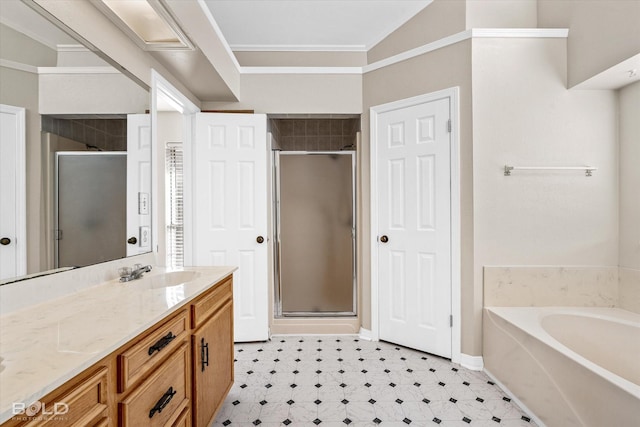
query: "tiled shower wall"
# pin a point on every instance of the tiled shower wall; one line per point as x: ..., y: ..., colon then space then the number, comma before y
x: 315, y: 134
x: 105, y: 134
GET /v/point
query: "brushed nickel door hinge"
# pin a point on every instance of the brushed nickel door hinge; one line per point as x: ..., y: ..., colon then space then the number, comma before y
x: 449, y: 125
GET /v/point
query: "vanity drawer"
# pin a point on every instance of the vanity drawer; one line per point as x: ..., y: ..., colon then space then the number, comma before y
x: 211, y: 302
x: 161, y: 399
x: 146, y: 354
x: 86, y: 404
x: 184, y: 420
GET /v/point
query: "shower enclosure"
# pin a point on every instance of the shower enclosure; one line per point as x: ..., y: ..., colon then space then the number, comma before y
x: 90, y: 207
x: 315, y: 229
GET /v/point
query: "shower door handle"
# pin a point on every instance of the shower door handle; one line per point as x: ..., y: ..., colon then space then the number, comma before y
x: 384, y: 239
x: 260, y: 239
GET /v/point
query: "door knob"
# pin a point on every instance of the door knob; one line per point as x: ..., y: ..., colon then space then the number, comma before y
x: 260, y: 239
x: 132, y: 240
x: 384, y: 239
x: 5, y: 241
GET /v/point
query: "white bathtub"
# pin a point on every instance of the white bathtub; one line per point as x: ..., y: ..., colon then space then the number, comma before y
x: 570, y: 366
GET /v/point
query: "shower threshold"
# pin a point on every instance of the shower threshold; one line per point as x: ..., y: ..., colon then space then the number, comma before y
x: 317, y: 314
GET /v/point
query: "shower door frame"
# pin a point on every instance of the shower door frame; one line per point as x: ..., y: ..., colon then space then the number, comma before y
x: 278, y: 313
x: 56, y: 198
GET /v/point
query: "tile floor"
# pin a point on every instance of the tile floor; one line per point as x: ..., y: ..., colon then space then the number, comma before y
x: 341, y: 380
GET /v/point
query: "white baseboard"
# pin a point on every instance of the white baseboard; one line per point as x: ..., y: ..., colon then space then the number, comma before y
x: 474, y: 363
x: 366, y: 334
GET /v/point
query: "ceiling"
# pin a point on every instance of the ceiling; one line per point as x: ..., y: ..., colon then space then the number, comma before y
x: 355, y: 25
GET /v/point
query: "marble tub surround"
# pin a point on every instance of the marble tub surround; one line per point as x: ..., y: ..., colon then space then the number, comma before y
x: 539, y: 286
x: 629, y: 291
x: 44, y: 345
x: 18, y: 295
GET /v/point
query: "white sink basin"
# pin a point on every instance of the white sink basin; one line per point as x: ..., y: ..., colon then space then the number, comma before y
x: 165, y: 280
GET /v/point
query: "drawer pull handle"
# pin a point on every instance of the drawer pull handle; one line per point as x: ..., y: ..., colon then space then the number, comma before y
x: 164, y: 401
x: 204, y: 354
x: 162, y: 343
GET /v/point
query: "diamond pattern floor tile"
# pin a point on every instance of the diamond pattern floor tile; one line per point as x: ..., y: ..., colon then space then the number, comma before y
x: 344, y: 381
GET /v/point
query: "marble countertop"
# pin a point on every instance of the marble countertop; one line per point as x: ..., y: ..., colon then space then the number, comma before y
x: 45, y: 345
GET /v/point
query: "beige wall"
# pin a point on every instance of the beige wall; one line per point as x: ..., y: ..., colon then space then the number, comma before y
x: 302, y: 59
x: 17, y: 47
x: 297, y: 93
x: 437, y: 70
x: 524, y: 116
x: 601, y: 33
x: 439, y: 19
x: 91, y: 94
x: 20, y: 89
x: 502, y: 13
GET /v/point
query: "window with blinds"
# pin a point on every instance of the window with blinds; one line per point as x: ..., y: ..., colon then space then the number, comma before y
x: 175, y: 223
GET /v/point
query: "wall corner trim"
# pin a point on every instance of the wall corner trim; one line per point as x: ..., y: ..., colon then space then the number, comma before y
x: 366, y: 334
x: 474, y: 363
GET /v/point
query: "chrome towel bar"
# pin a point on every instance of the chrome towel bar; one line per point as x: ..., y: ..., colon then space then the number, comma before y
x: 588, y: 170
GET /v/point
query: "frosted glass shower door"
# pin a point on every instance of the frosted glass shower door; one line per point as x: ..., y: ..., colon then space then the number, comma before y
x: 91, y: 211
x: 316, y: 234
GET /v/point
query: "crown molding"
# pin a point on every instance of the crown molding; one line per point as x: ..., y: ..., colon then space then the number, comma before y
x: 301, y: 70
x: 71, y: 48
x: 466, y: 35
x: 18, y: 66
x: 297, y: 48
x: 535, y: 33
x: 77, y: 70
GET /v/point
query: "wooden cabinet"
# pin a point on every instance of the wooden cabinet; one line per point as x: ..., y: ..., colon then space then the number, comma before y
x: 212, y: 355
x: 175, y: 374
x: 162, y: 397
x: 79, y: 403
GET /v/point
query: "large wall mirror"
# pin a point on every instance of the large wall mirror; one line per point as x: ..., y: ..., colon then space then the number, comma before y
x: 86, y: 145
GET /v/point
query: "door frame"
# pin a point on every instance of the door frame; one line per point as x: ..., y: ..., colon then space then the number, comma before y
x: 20, y: 208
x: 162, y: 87
x: 275, y: 268
x: 453, y: 95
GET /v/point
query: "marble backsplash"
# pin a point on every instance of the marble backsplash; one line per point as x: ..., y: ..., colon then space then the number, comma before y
x: 535, y: 286
x: 629, y: 296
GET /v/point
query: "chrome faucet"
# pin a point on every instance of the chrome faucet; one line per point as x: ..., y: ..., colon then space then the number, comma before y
x: 127, y: 273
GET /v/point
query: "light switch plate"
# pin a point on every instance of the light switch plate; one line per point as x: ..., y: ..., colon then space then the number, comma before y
x: 143, y: 203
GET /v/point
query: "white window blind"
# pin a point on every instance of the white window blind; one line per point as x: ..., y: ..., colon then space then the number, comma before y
x: 175, y: 223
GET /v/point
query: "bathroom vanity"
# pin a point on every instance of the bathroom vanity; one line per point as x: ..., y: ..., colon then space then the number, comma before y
x: 157, y: 351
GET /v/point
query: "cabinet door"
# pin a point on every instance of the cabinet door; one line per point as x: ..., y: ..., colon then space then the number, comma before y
x: 212, y: 350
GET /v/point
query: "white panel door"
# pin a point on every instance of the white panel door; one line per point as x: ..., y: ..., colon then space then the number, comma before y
x: 138, y: 184
x: 13, y: 249
x: 414, y: 226
x: 230, y: 211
